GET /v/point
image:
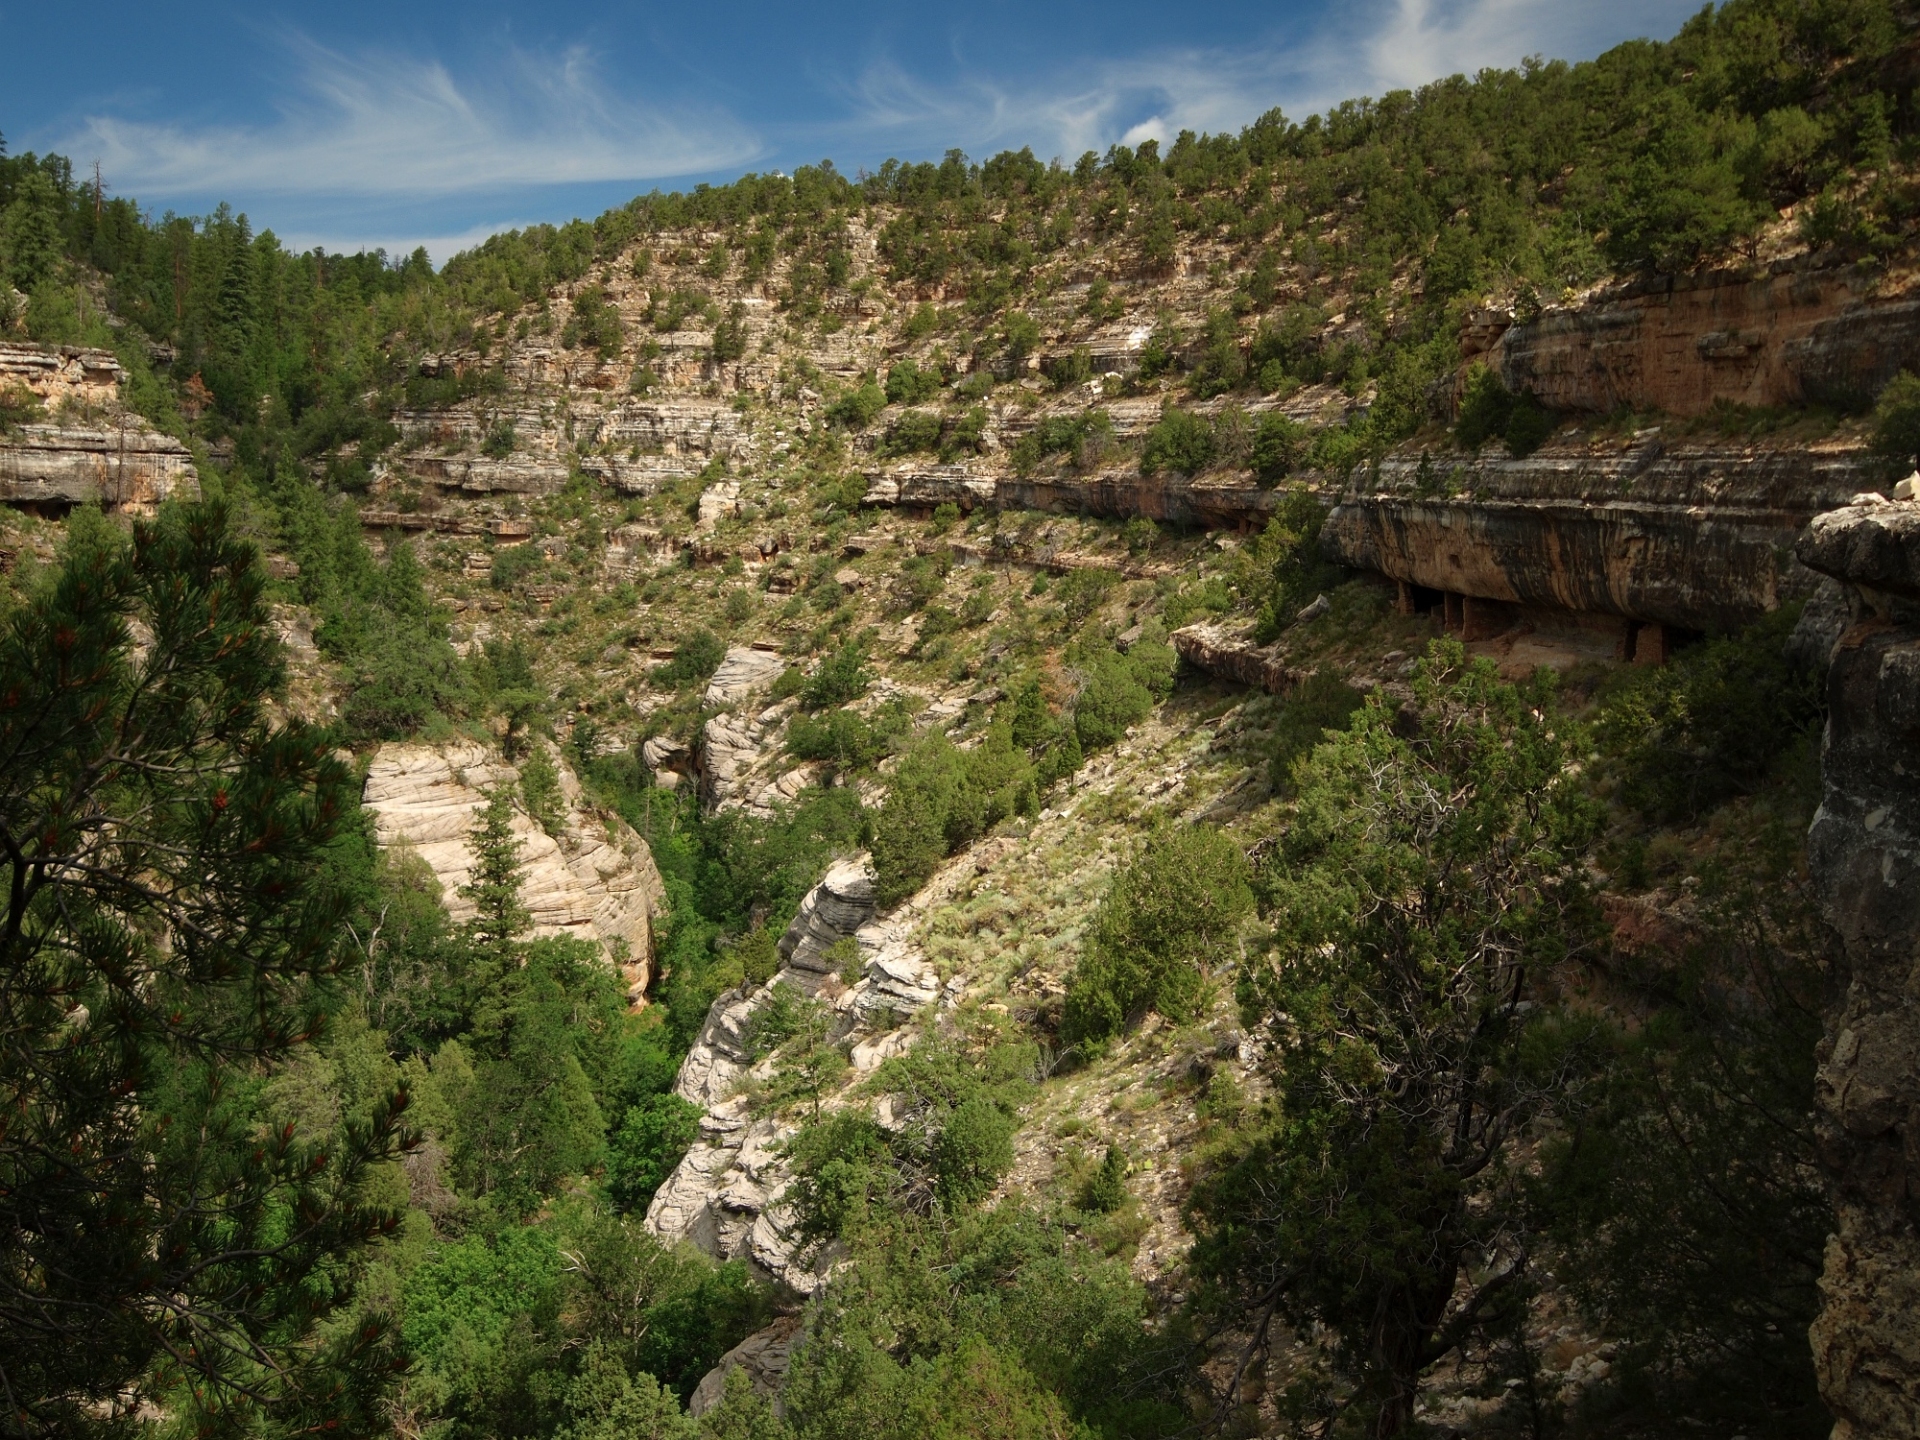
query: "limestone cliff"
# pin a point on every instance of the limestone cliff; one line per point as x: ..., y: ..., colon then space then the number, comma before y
x: 92, y: 448
x: 1694, y: 534
x: 595, y: 880
x: 1792, y: 333
x: 1864, y: 849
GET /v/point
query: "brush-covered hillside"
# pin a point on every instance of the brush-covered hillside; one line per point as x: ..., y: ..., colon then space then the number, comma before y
x: 1145, y: 795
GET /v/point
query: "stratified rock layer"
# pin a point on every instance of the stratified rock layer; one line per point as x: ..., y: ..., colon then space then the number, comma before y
x: 1697, y: 536
x: 726, y: 1194
x: 92, y: 450
x: 1864, y: 850
x: 1784, y: 336
x: 596, y: 881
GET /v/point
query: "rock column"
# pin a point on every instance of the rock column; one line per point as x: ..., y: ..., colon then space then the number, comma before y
x: 1864, y: 850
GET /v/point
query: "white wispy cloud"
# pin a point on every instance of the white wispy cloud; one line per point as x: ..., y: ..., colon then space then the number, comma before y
x: 1355, y: 49
x: 380, y: 125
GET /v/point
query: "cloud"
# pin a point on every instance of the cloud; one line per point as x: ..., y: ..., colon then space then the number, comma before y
x: 386, y: 126
x: 1415, y: 41
x: 396, y: 240
x: 1361, y: 49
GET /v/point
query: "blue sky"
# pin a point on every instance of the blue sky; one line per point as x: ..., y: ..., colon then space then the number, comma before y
x: 360, y: 124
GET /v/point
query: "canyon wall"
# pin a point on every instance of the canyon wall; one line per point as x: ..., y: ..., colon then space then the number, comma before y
x: 595, y: 880
x: 1864, y: 851
x: 1693, y: 534
x: 1791, y: 334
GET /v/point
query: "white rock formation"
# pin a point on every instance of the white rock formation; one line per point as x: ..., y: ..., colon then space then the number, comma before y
x: 743, y: 671
x: 597, y: 881
x: 725, y: 1195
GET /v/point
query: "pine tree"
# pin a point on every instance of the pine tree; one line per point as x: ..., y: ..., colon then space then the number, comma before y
x: 171, y: 930
x: 494, y: 887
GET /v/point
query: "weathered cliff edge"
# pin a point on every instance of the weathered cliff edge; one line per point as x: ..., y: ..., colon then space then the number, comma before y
x: 1864, y: 851
x: 1793, y: 333
x: 596, y: 880
x: 727, y: 1194
x: 92, y: 449
x: 1696, y: 535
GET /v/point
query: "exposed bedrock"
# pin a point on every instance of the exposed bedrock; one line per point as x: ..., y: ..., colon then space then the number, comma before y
x: 91, y: 449
x: 595, y: 880
x: 121, y: 464
x: 727, y: 1194
x: 1697, y: 536
x: 1789, y: 335
x: 1864, y: 851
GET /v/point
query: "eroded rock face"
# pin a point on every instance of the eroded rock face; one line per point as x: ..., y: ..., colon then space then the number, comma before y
x: 63, y: 374
x: 121, y: 465
x: 764, y: 1355
x: 91, y: 450
x: 596, y: 881
x: 1679, y: 343
x: 1231, y: 653
x: 833, y: 910
x: 1864, y: 851
x: 725, y: 1195
x: 1695, y: 536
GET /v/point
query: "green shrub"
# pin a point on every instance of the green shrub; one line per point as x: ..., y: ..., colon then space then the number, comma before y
x: 841, y: 678
x: 845, y: 739
x: 1181, y: 442
x: 1490, y: 411
x: 1709, y: 725
x: 1106, y: 1189
x: 1896, y: 421
x: 1321, y: 702
x: 941, y: 800
x: 973, y: 1150
x: 695, y: 659
x: 540, y: 790
x: 514, y: 564
x: 1118, y: 691
x: 1279, y: 445
x: 1296, y: 569
x: 908, y: 384
x: 1169, y: 917
x: 857, y: 408
x: 730, y: 335
x: 913, y: 432
x: 1071, y: 370
x: 1140, y: 535
x: 19, y: 406
x: 647, y: 1147
x: 843, y: 1170
x: 1082, y: 592
x: 968, y: 433
x: 1085, y: 437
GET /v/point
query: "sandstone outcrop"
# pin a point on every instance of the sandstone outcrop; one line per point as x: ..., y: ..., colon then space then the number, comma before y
x: 1794, y: 333
x: 1697, y: 535
x: 764, y: 1355
x: 595, y: 881
x: 1232, y: 654
x: 63, y: 375
x: 1864, y: 852
x: 90, y: 449
x: 121, y: 465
